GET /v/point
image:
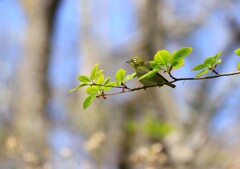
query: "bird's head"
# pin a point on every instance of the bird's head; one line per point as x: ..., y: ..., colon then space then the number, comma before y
x: 136, y: 61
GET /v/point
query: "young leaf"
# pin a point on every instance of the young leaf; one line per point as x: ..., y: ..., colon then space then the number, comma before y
x: 217, y: 55
x: 202, y: 73
x: 130, y: 77
x: 149, y: 74
x: 83, y: 78
x: 88, y: 101
x: 94, y: 71
x: 100, y: 79
x: 162, y: 57
x: 237, y: 51
x: 92, y: 90
x: 109, y: 86
x: 177, y: 64
x: 199, y: 67
x: 106, y: 81
x: 98, y: 74
x: 218, y: 61
x: 76, y: 88
x: 238, y: 65
x: 209, y: 61
x: 181, y: 53
x: 120, y: 74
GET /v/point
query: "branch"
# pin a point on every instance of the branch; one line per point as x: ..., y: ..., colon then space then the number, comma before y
x: 126, y: 89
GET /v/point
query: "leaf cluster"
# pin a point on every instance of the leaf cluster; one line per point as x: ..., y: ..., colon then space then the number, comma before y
x: 97, y: 85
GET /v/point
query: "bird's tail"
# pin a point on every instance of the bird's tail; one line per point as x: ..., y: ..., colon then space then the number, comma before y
x: 171, y: 85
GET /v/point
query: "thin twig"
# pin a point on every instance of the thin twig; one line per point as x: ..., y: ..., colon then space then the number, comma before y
x: 175, y: 79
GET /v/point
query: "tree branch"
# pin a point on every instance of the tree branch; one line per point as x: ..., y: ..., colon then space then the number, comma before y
x: 126, y: 89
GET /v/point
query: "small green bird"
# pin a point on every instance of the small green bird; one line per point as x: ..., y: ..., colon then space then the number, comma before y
x: 142, y: 68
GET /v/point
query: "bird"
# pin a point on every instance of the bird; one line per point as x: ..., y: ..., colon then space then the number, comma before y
x: 142, y: 68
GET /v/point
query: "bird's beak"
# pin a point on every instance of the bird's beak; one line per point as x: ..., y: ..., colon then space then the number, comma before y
x: 128, y: 61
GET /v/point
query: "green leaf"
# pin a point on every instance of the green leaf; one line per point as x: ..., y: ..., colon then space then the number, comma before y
x: 130, y: 77
x: 199, y: 67
x: 83, y: 78
x: 202, y: 73
x: 109, y: 86
x: 217, y: 55
x: 209, y: 61
x: 100, y: 79
x: 94, y: 71
x: 177, y: 64
x: 181, y: 53
x: 162, y: 57
x: 149, y: 74
x: 88, y: 101
x: 77, y: 87
x: 238, y: 65
x: 155, y: 128
x: 92, y: 90
x: 218, y: 61
x: 237, y: 51
x: 120, y: 74
x: 106, y: 81
x: 98, y: 74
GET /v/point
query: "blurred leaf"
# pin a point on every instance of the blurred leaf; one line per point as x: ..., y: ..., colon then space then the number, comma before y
x: 218, y: 61
x: 237, y: 51
x: 76, y: 88
x: 209, y: 61
x: 98, y: 74
x: 217, y: 55
x: 100, y: 80
x: 109, y: 86
x: 83, y: 78
x: 94, y: 71
x: 202, y: 73
x: 149, y: 74
x: 92, y: 90
x: 106, y: 81
x: 238, y: 65
x: 130, y: 77
x: 177, y: 64
x: 199, y: 67
x: 131, y: 126
x: 181, y: 53
x: 156, y: 129
x: 88, y: 101
x: 120, y: 74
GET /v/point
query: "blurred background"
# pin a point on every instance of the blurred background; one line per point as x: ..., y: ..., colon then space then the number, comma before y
x: 45, y: 44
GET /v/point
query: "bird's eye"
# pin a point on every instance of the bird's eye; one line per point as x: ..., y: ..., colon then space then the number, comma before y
x: 134, y: 60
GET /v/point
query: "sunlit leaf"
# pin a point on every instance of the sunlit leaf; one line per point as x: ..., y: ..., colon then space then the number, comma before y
x: 120, y: 74
x: 217, y: 55
x: 202, y: 73
x: 149, y: 74
x: 100, y: 80
x: 199, y: 67
x: 209, y: 61
x: 94, y: 71
x: 177, y: 64
x: 181, y: 53
x: 88, y: 101
x: 83, y: 78
x: 77, y: 87
x: 92, y: 90
x: 162, y: 57
x: 130, y: 77
x: 109, y: 86
x: 237, y: 51
x: 106, y: 81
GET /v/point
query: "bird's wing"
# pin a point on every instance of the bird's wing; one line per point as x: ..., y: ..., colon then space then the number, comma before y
x: 149, y: 66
